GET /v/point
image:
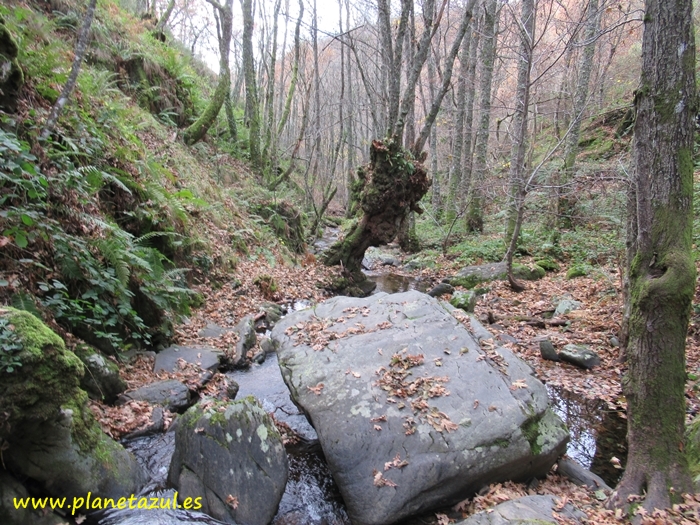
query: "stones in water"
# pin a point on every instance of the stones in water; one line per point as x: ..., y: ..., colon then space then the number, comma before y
x: 529, y: 509
x: 573, y: 471
x: 246, y: 340
x: 169, y: 393
x: 579, y: 355
x: 410, y: 412
x: 232, y: 455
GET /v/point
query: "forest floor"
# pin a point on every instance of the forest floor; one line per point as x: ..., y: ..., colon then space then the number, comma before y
x: 521, y: 316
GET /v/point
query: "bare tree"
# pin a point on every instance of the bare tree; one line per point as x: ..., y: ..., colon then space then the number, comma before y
x: 196, y: 131
x: 80, y: 49
x: 564, y: 203
x: 475, y: 215
x: 518, y: 190
x: 252, y: 109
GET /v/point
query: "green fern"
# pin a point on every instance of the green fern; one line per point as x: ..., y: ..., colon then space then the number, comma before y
x: 26, y: 302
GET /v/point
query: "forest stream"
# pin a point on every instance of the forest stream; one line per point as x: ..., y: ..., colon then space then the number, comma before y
x: 311, y: 496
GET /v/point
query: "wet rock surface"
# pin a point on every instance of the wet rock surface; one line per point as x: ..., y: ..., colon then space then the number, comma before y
x: 232, y: 455
x: 410, y: 412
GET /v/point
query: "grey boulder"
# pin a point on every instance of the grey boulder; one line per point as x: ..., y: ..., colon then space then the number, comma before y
x: 528, y: 510
x: 101, y: 380
x: 579, y: 355
x: 168, y: 360
x: 169, y: 393
x: 232, y: 455
x: 410, y: 412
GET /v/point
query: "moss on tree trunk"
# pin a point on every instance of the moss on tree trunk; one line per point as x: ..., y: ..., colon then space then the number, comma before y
x: 661, y: 271
x: 386, y: 189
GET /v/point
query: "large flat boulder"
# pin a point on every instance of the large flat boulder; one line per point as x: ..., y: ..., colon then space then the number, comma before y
x: 411, y: 413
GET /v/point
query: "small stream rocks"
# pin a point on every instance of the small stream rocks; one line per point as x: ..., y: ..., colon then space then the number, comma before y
x: 412, y: 414
x: 232, y: 455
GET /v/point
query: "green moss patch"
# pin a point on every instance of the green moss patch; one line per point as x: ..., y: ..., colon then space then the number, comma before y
x: 49, y: 374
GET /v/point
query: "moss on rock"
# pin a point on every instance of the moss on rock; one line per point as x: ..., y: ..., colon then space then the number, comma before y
x: 49, y: 375
x: 576, y: 271
x: 11, y: 75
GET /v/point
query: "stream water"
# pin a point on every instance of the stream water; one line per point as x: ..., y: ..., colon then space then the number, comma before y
x: 311, y: 496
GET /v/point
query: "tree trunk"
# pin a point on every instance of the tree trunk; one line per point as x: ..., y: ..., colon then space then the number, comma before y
x: 455, y: 176
x: 475, y: 215
x: 196, y: 131
x: 565, y: 203
x: 160, y: 26
x: 270, y: 147
x: 518, y: 190
x: 251, y: 89
x: 80, y: 49
x: 659, y: 258
x: 392, y: 182
x: 469, y: 121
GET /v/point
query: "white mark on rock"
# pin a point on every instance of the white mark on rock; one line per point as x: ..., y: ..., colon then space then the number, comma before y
x: 262, y: 434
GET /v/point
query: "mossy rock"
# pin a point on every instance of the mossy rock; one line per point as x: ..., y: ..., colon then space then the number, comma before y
x: 549, y: 264
x: 48, y: 377
x: 69, y: 455
x: 11, y: 75
x: 286, y: 221
x: 464, y: 300
x: 101, y: 380
x: 576, y: 271
x: 471, y: 276
x: 529, y: 273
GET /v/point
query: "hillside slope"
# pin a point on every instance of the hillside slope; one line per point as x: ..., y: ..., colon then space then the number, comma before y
x: 105, y: 226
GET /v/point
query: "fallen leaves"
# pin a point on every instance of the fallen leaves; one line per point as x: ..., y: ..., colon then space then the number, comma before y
x: 417, y: 392
x: 381, y: 481
x: 520, y: 383
x: 316, y: 389
x: 397, y: 462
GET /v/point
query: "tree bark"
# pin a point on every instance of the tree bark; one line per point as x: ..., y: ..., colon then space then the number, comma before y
x: 659, y: 258
x: 392, y: 182
x: 80, y: 49
x: 456, y: 168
